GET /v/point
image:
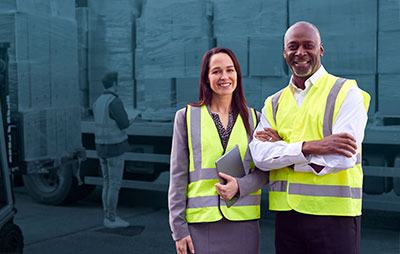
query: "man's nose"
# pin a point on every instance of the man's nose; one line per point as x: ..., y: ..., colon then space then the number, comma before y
x: 301, y: 51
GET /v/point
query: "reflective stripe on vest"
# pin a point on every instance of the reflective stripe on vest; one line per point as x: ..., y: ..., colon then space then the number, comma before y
x: 106, y: 128
x: 332, y: 194
x: 316, y: 190
x: 203, y: 202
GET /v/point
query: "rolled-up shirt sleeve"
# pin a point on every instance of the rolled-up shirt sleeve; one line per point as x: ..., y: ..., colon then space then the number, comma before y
x: 179, y: 167
x: 268, y: 156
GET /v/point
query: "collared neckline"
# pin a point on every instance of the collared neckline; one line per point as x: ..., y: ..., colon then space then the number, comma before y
x: 110, y: 92
x: 309, y: 82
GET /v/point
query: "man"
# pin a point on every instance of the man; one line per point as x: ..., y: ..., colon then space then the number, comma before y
x: 111, y: 143
x: 309, y: 137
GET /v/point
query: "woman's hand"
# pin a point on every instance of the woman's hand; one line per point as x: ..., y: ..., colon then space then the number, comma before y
x: 267, y: 135
x: 227, y: 191
x: 183, y: 244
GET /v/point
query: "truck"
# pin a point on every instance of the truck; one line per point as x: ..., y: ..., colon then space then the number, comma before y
x: 157, y: 48
x: 11, y: 238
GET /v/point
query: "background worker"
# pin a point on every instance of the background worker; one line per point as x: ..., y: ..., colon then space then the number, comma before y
x: 313, y: 129
x: 111, y: 141
x: 199, y: 218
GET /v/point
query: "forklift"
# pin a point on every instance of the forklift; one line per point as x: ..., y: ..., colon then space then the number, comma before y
x: 11, y: 239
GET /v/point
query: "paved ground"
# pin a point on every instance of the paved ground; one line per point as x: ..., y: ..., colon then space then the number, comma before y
x: 77, y: 228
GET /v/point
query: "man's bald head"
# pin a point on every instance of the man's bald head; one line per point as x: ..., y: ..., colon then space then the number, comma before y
x: 302, y: 51
x: 302, y: 23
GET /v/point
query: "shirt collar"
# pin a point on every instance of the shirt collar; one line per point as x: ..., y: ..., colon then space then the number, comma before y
x: 310, y: 81
x: 110, y: 92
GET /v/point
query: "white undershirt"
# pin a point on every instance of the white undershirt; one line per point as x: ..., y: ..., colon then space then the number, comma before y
x: 351, y: 119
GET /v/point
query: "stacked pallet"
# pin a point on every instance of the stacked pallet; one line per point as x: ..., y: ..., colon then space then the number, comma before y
x: 389, y: 58
x: 388, y: 67
x: 172, y: 37
x: 82, y: 23
x: 43, y: 71
x: 254, y: 30
x: 111, y: 46
x: 348, y: 33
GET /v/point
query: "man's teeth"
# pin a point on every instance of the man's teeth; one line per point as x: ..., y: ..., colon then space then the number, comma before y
x: 224, y: 84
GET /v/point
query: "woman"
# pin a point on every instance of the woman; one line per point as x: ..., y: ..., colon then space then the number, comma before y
x: 199, y: 218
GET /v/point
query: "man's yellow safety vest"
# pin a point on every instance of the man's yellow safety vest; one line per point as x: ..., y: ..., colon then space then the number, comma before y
x: 332, y: 194
x: 204, y: 143
x: 106, y: 129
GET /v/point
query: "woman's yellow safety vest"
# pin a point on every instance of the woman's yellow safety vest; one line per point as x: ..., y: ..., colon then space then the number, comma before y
x: 332, y: 194
x: 203, y: 202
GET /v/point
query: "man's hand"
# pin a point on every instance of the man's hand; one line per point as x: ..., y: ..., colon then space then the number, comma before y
x: 227, y: 191
x: 342, y: 144
x: 267, y: 135
x: 183, y: 244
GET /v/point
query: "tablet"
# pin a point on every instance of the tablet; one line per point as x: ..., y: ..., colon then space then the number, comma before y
x: 231, y: 164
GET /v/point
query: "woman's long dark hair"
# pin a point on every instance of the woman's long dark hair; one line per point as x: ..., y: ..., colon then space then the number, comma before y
x: 238, y: 104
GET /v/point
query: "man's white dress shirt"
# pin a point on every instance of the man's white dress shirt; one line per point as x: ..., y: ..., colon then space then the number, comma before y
x: 351, y: 119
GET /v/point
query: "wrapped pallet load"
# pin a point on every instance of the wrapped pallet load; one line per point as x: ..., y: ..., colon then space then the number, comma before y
x: 111, y: 44
x: 172, y: 37
x: 43, y: 67
x: 254, y: 31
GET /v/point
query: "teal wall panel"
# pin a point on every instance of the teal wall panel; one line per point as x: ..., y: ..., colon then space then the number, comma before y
x: 353, y: 53
x: 389, y: 94
x: 187, y: 91
x: 389, y: 54
x: 252, y: 91
x: 389, y: 18
x: 265, y: 56
x: 336, y: 17
x: 240, y: 47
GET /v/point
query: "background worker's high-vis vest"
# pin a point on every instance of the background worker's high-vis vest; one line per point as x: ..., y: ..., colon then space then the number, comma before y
x: 203, y: 202
x: 332, y: 194
x: 106, y: 128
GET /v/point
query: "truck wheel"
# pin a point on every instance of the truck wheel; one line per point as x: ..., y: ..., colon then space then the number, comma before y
x: 11, y: 239
x: 57, y: 187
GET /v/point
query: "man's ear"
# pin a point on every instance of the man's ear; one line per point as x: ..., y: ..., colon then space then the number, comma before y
x: 321, y: 50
